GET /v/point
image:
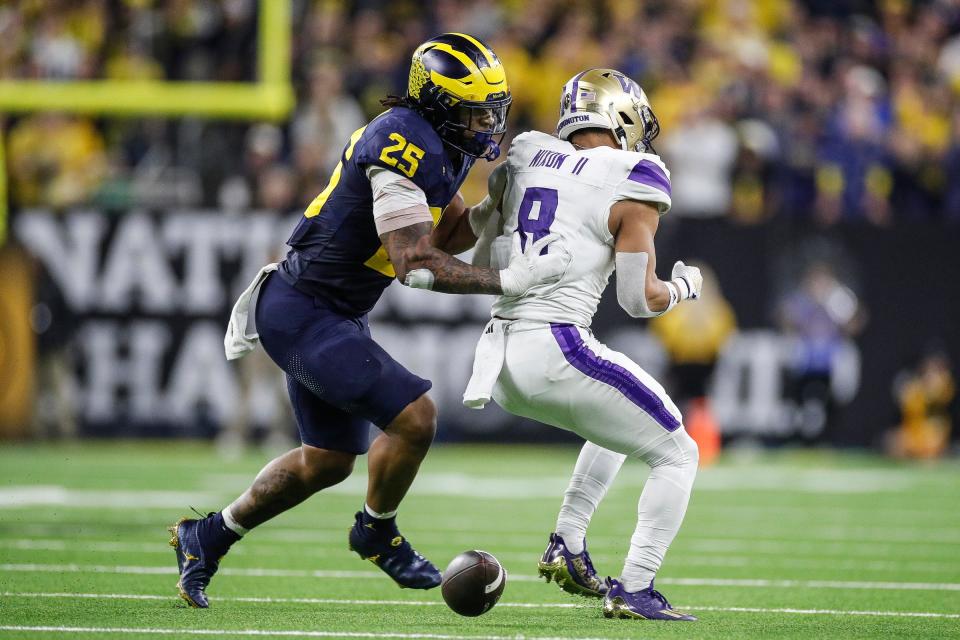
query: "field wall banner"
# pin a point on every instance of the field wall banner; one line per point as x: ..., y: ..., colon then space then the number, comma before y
x: 140, y: 301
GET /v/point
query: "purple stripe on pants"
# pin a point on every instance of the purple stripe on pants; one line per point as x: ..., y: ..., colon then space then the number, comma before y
x: 650, y: 174
x: 579, y: 355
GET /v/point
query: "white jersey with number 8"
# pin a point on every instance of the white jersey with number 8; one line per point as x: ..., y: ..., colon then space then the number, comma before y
x: 553, y: 187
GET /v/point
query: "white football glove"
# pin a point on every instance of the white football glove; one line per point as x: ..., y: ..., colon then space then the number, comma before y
x: 688, y: 279
x: 528, y: 268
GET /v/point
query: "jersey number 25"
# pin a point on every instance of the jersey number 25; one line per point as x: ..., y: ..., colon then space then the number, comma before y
x: 410, y: 155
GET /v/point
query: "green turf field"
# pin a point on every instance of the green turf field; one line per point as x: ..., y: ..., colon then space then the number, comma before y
x: 795, y: 545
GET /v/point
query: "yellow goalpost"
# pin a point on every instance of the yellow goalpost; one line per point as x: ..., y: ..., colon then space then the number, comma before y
x: 269, y: 98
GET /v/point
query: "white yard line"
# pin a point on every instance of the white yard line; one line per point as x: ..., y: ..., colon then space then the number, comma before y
x: 218, y: 488
x: 411, y: 603
x: 260, y: 632
x: 33, y: 544
x: 813, y: 584
x: 301, y: 573
x: 19, y: 496
x: 829, y: 612
x: 525, y: 605
x: 848, y: 515
x: 860, y: 549
x: 693, y: 560
x: 856, y: 541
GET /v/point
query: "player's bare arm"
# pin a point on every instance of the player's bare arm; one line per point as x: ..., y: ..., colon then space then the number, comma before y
x: 460, y: 227
x: 410, y: 248
x: 453, y: 233
x: 419, y: 264
x: 634, y: 225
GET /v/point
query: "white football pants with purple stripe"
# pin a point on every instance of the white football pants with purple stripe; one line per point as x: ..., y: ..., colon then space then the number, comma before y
x: 561, y: 375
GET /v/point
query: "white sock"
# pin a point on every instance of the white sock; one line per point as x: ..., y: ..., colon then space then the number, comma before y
x: 377, y: 515
x: 662, y: 506
x: 232, y: 524
x: 592, y: 476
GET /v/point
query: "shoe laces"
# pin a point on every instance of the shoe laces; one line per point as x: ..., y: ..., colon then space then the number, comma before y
x: 405, y: 548
x: 659, y: 596
x: 558, y: 544
x: 386, y: 540
x: 589, y: 563
x: 202, y: 515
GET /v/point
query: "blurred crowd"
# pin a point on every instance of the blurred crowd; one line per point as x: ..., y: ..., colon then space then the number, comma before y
x: 825, y: 110
x: 828, y: 113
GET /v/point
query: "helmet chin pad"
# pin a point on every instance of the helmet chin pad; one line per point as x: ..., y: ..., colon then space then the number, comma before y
x: 491, y: 146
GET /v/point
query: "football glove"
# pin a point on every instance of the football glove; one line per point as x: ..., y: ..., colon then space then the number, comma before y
x: 528, y: 269
x: 688, y: 280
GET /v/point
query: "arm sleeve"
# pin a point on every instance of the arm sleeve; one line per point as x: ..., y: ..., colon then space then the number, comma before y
x: 481, y: 212
x: 631, y: 285
x: 486, y: 223
x: 482, y: 250
x: 397, y: 202
x: 497, y: 183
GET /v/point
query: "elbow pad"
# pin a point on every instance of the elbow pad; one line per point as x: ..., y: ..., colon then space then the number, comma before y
x: 631, y: 286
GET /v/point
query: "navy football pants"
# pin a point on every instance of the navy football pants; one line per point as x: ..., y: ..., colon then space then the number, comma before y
x: 339, y: 380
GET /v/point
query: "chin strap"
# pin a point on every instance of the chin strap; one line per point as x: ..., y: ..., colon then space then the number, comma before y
x: 618, y: 131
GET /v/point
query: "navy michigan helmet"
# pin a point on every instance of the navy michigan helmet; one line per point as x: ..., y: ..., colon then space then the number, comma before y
x: 459, y: 85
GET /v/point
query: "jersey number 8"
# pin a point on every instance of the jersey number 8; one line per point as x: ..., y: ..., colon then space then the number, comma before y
x: 410, y: 155
x: 538, y: 209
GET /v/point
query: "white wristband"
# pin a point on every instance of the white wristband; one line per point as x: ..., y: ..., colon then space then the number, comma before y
x: 674, y: 291
x: 683, y: 291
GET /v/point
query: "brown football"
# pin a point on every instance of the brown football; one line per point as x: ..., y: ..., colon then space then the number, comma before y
x: 473, y: 582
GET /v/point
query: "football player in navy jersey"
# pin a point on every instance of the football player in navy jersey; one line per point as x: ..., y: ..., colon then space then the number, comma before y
x: 369, y: 226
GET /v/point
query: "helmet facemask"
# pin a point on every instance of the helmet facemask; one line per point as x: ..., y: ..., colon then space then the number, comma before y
x: 651, y: 127
x: 476, y: 128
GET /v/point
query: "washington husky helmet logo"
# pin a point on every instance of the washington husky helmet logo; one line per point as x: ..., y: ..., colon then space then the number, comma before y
x: 608, y: 99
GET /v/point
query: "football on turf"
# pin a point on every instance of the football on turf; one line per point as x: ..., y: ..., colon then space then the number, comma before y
x: 473, y: 582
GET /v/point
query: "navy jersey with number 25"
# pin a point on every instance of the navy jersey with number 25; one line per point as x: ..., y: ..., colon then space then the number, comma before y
x: 336, y: 253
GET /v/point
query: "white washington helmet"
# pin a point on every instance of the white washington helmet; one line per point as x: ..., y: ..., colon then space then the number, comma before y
x: 607, y: 99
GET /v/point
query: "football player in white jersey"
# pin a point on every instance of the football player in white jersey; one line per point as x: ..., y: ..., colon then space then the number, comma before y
x: 599, y: 186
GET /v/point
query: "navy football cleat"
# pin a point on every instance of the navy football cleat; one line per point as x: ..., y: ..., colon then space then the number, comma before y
x: 573, y: 572
x: 646, y: 604
x: 199, y: 545
x: 393, y: 554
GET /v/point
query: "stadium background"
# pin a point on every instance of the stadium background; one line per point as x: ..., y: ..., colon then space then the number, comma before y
x: 815, y: 157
